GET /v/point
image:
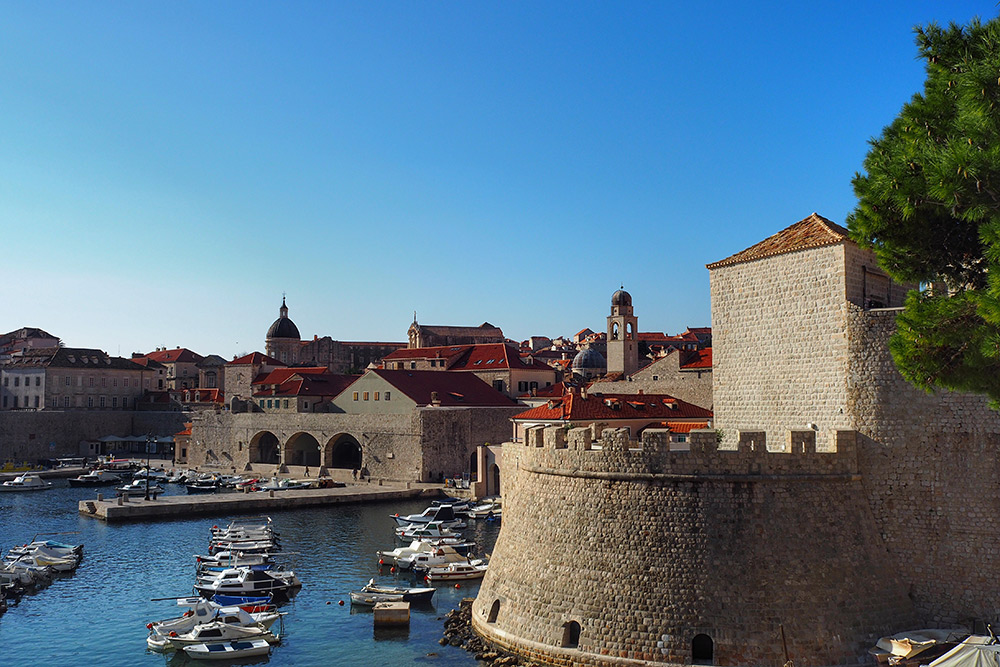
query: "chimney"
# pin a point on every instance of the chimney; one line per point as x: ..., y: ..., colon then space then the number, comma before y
x: 435, y: 400
x: 583, y: 393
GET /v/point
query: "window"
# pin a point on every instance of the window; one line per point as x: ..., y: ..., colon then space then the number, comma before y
x: 498, y: 385
x: 124, y: 382
x: 17, y: 381
x: 15, y: 402
x: 376, y: 395
x: 36, y: 401
x: 365, y: 396
x: 38, y: 380
x: 533, y: 385
x: 494, y: 611
x: 91, y: 381
x: 656, y: 377
x: 355, y: 396
x: 90, y: 400
x: 65, y: 401
x: 413, y: 365
x: 385, y: 397
x: 286, y: 403
x: 269, y: 403
x: 6, y: 381
x: 114, y: 401
x: 102, y: 401
x: 522, y: 386
x: 68, y: 379
x: 115, y: 382
x: 305, y: 405
x: 262, y: 402
x: 124, y: 401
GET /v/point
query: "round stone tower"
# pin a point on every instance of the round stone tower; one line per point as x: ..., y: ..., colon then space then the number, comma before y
x: 622, y: 552
x: 283, y: 341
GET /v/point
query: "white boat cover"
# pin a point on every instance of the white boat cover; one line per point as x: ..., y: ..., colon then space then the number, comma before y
x: 910, y: 643
x: 976, y: 651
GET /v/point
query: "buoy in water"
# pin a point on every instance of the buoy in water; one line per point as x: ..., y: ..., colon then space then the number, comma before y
x: 458, y: 585
x: 341, y: 603
x: 392, y: 569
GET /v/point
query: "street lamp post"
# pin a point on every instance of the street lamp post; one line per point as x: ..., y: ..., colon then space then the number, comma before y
x: 149, y: 439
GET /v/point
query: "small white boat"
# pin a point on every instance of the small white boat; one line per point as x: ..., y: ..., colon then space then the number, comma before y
x: 430, y: 531
x: 233, y: 650
x: 437, y: 557
x: 456, y: 572
x: 138, y: 488
x: 96, y: 478
x: 202, y: 612
x: 26, y: 482
x: 245, y: 581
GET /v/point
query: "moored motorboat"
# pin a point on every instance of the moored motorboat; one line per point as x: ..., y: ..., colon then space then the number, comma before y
x: 244, y: 581
x: 96, y: 478
x: 26, y: 482
x: 202, y: 613
x: 138, y: 488
x: 432, y: 530
x: 456, y: 572
x: 405, y: 593
x: 232, y: 650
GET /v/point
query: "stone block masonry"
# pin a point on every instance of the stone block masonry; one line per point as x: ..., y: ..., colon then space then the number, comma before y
x: 629, y: 552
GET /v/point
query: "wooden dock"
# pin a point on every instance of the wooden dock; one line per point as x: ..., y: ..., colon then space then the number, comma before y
x: 114, y: 509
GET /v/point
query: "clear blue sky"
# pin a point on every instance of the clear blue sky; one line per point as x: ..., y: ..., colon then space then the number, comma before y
x: 168, y: 169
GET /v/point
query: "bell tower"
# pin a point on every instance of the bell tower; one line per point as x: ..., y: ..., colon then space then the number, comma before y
x: 623, y: 336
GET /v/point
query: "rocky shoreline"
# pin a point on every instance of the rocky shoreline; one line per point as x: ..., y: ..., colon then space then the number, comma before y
x: 458, y: 632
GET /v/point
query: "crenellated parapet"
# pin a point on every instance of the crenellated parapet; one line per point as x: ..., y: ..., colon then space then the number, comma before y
x: 602, y: 450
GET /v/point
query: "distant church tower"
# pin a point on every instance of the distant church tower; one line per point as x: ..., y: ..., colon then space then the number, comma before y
x: 623, y: 337
x: 282, y: 341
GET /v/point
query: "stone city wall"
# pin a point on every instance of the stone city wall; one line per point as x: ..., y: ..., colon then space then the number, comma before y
x: 930, y: 464
x: 647, y: 563
x: 421, y: 445
x: 29, y: 436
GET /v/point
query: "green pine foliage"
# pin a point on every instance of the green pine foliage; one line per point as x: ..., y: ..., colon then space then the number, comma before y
x: 929, y: 207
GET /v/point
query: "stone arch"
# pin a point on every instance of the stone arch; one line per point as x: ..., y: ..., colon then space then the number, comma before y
x: 702, y: 650
x: 302, y: 449
x: 614, y: 331
x: 496, y: 479
x: 344, y: 451
x: 629, y: 331
x: 571, y: 635
x: 474, y: 465
x: 494, y: 611
x: 265, y: 448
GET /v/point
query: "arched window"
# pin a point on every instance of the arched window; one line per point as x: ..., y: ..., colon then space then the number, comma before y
x: 571, y: 635
x: 474, y: 465
x: 702, y: 648
x: 629, y: 333
x: 614, y: 331
x: 494, y: 610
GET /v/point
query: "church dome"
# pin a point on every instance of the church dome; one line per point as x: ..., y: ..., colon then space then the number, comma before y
x: 283, y: 327
x: 589, y: 359
x: 621, y: 298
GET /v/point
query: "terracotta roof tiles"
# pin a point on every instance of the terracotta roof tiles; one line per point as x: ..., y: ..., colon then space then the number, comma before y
x: 812, y: 232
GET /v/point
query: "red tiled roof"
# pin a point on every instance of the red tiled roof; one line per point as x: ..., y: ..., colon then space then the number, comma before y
x: 812, y: 232
x: 453, y: 389
x: 475, y: 357
x: 700, y: 330
x: 280, y: 375
x: 203, y: 395
x: 307, y: 384
x: 180, y: 355
x: 685, y: 427
x: 255, y: 359
x: 698, y: 359
x: 612, y: 407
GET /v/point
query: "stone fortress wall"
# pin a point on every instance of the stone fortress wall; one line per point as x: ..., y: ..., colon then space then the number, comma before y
x: 646, y: 547
x: 930, y: 465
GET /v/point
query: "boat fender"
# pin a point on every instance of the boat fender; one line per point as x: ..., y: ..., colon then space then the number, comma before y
x: 458, y: 585
x: 149, y: 626
x: 189, y: 612
x: 173, y: 634
x: 341, y: 603
x: 381, y: 562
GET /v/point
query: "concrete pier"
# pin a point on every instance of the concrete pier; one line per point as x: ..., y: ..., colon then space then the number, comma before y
x: 258, y: 502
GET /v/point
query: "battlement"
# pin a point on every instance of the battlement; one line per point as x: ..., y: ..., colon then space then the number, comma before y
x: 599, y: 449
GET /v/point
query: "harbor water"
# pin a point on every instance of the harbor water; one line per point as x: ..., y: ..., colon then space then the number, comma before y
x: 98, y: 614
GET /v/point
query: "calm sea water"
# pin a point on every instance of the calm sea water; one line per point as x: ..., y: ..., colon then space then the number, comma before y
x: 97, y: 615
